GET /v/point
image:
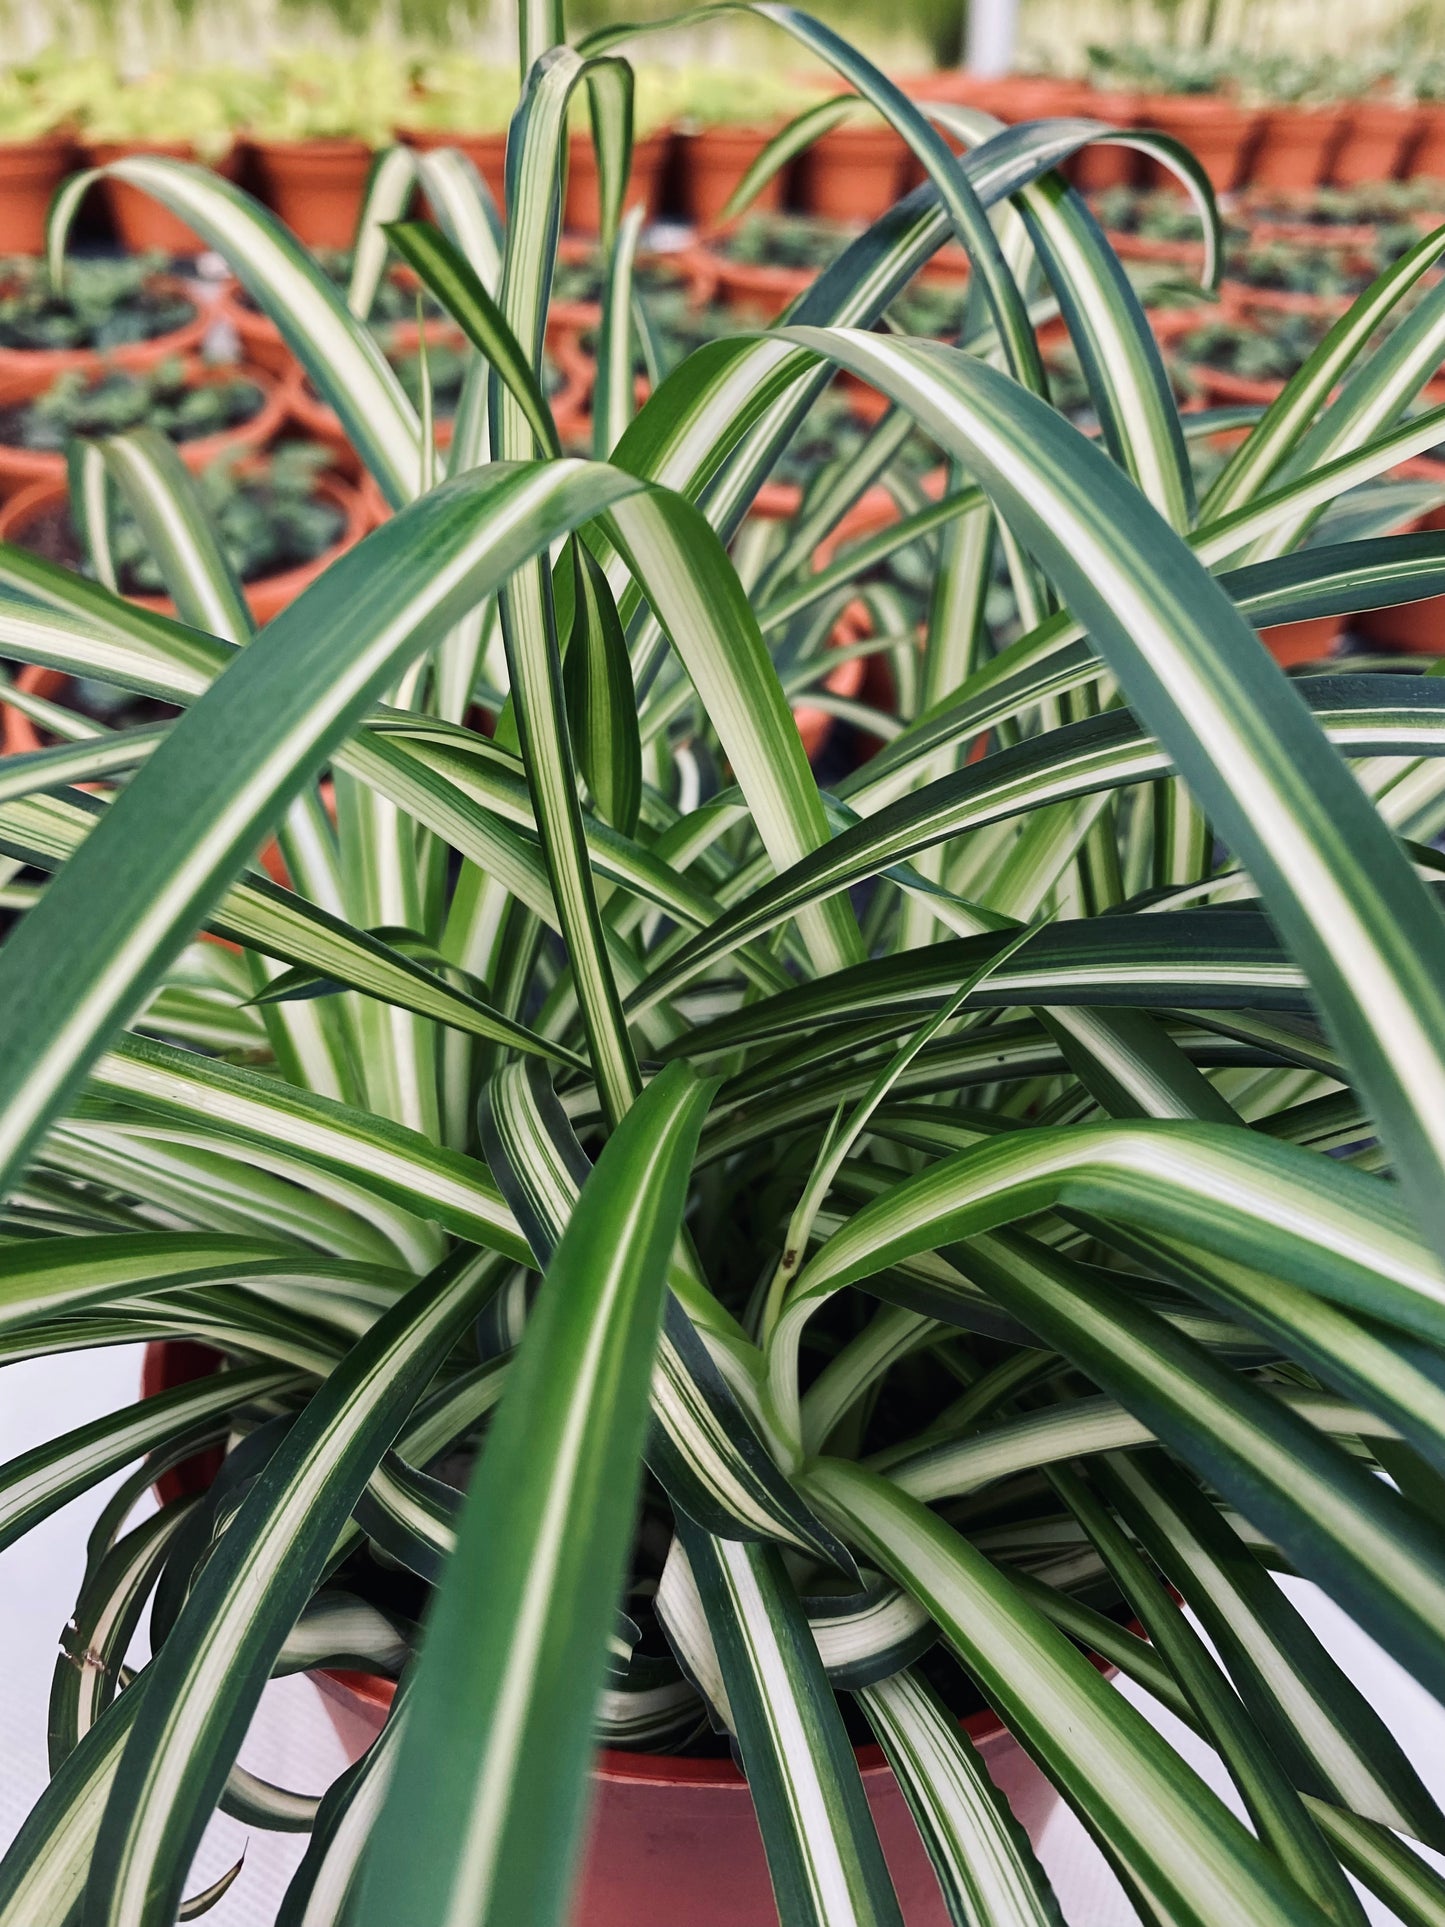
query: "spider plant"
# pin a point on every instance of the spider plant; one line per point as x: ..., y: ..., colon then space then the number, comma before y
x: 892, y: 1241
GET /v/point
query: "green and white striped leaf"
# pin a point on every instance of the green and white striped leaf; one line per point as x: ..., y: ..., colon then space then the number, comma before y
x: 1171, y: 1841
x: 515, y: 1644
x: 823, y: 1853
x: 341, y: 357
x: 204, y: 1683
x: 980, y: 1853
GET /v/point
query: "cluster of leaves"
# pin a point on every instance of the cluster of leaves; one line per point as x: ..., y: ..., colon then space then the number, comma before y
x: 100, y: 304
x: 1257, y: 76
x: 968, y: 1200
x: 42, y: 96
x: 581, y: 278
x: 268, y: 517
x: 183, y: 403
x: 784, y: 241
x: 197, y: 104
x: 1370, y: 204
x: 1271, y: 349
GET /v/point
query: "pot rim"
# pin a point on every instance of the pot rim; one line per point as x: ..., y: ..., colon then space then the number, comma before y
x: 128, y: 355
x: 657, y: 1769
x: 252, y: 435
x: 44, y: 494
x: 984, y: 1728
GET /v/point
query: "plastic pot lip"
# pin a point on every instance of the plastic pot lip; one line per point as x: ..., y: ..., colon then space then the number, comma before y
x: 285, y: 584
x: 256, y: 432
x: 54, y: 145
x: 985, y: 1729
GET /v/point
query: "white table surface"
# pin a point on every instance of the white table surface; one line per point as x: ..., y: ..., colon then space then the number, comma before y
x: 291, y: 1742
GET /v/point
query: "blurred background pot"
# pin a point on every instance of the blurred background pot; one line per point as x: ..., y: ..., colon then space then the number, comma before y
x: 30, y: 172
x: 1296, y: 147
x: 582, y: 212
x: 144, y: 225
x: 316, y: 186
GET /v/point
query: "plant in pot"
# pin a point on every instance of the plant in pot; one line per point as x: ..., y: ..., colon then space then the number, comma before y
x: 1344, y: 217
x: 766, y: 261
x: 855, y: 169
x: 123, y: 314
x: 727, y: 117
x: 392, y: 308
x: 1282, y: 278
x: 278, y: 520
x: 888, y: 1243
x: 190, y: 114
x: 208, y: 409
x: 321, y: 117
x: 1427, y: 156
x: 1380, y: 125
x: 36, y: 114
x: 1113, y: 96
x: 1151, y: 224
x: 439, y: 368
x: 1246, y: 359
x: 1191, y: 93
x: 1304, y: 118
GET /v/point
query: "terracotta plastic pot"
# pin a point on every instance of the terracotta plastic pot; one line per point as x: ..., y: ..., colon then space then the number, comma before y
x: 950, y: 265
x: 41, y: 366
x: 672, y: 1842
x: 1296, y: 146
x: 30, y: 172
x: 1010, y: 97
x: 1050, y: 97
x: 582, y: 209
x: 316, y: 187
x: 22, y: 467
x: 1218, y: 131
x: 855, y: 173
x: 1292, y: 643
x: 18, y: 735
x: 260, y: 338
x: 816, y: 726
x: 1372, y: 146
x: 714, y: 160
x: 1410, y: 629
x: 675, y: 1843
x: 486, y: 152
x: 1427, y: 156
x: 142, y: 224
x: 266, y: 597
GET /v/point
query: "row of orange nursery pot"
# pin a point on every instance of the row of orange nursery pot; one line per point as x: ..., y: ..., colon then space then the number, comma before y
x: 853, y: 172
x: 1276, y: 146
x: 32, y: 483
